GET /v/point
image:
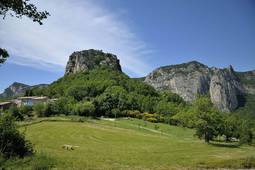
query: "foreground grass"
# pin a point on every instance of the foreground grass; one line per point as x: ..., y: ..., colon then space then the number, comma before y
x: 129, y: 144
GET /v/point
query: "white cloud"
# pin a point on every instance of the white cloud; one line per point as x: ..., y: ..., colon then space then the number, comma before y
x: 73, y: 26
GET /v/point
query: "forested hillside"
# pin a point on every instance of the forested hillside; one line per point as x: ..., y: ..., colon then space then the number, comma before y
x: 109, y: 92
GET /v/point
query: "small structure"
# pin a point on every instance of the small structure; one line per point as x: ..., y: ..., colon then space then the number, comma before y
x: 25, y: 101
x: 30, y: 100
x: 6, y: 105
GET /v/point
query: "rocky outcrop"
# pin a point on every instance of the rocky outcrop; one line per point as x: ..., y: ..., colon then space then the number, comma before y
x: 90, y: 59
x: 186, y: 79
x: 18, y: 89
x: 190, y: 79
x: 225, y: 88
x: 14, y: 89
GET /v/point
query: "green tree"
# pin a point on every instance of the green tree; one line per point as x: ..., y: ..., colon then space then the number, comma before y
x: 19, y: 8
x: 86, y: 108
x: 15, y: 112
x: 40, y: 109
x: 208, y: 119
x: 3, y: 55
x: 245, y: 131
x: 229, y: 127
x: 12, y: 142
x: 26, y: 110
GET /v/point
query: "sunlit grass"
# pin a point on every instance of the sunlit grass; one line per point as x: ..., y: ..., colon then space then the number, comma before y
x: 128, y: 144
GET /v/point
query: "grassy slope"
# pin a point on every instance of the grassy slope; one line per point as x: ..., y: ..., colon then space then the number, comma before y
x: 122, y: 144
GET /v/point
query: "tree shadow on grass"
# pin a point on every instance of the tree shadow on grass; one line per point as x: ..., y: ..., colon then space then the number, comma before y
x: 225, y: 145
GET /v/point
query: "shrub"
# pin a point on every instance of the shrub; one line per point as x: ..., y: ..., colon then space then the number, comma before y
x: 134, y: 113
x: 26, y: 110
x: 152, y: 119
x: 14, y: 111
x: 12, y: 142
x: 116, y: 112
x: 40, y: 109
x: 85, y: 109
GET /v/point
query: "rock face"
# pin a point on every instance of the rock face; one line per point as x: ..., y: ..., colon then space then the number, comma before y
x: 225, y: 88
x: 190, y: 79
x: 90, y: 59
x: 14, y: 90
x: 18, y: 89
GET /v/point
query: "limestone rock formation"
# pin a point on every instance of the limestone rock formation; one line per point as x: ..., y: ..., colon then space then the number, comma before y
x: 18, y: 89
x: 225, y: 88
x: 90, y: 59
x: 192, y: 78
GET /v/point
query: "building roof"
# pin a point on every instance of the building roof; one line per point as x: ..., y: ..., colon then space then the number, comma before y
x: 4, y: 103
x: 33, y: 97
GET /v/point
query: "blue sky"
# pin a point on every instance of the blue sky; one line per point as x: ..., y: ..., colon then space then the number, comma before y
x: 144, y: 34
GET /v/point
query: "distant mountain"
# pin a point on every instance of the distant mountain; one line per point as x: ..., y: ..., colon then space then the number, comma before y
x: 18, y: 89
x: 225, y: 86
x: 228, y: 89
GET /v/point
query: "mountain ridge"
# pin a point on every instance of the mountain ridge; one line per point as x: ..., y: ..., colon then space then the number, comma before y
x: 18, y: 89
x: 225, y: 86
x: 192, y: 78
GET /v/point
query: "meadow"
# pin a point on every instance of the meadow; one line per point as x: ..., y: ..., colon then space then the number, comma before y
x: 125, y: 144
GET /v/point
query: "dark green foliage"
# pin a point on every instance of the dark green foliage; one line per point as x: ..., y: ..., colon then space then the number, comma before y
x: 245, y: 131
x: 208, y: 119
x: 85, y: 109
x: 12, y: 142
x: 210, y: 123
x: 247, y: 107
x: 108, y: 90
x: 15, y: 112
x: 171, y: 97
x: 21, y: 8
x: 104, y: 92
x: 20, y: 113
x: 40, y: 109
x: 247, y: 78
x: 166, y: 108
x: 3, y: 55
x: 26, y: 110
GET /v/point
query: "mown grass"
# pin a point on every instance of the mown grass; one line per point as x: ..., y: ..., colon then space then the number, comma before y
x: 129, y: 144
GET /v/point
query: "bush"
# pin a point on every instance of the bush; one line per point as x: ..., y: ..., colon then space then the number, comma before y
x: 85, y: 109
x: 12, y: 142
x: 150, y: 117
x: 26, y: 110
x: 134, y: 114
x: 116, y: 113
x: 40, y: 109
x: 14, y: 111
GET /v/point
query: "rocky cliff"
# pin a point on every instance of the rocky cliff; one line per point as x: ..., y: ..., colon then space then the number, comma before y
x: 14, y: 90
x: 18, y: 89
x: 192, y: 78
x: 90, y: 59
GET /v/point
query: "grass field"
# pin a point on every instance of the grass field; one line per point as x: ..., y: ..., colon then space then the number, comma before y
x: 128, y: 144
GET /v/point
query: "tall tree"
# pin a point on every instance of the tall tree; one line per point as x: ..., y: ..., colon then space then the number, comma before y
x: 19, y: 8
x: 3, y: 55
x: 208, y: 119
